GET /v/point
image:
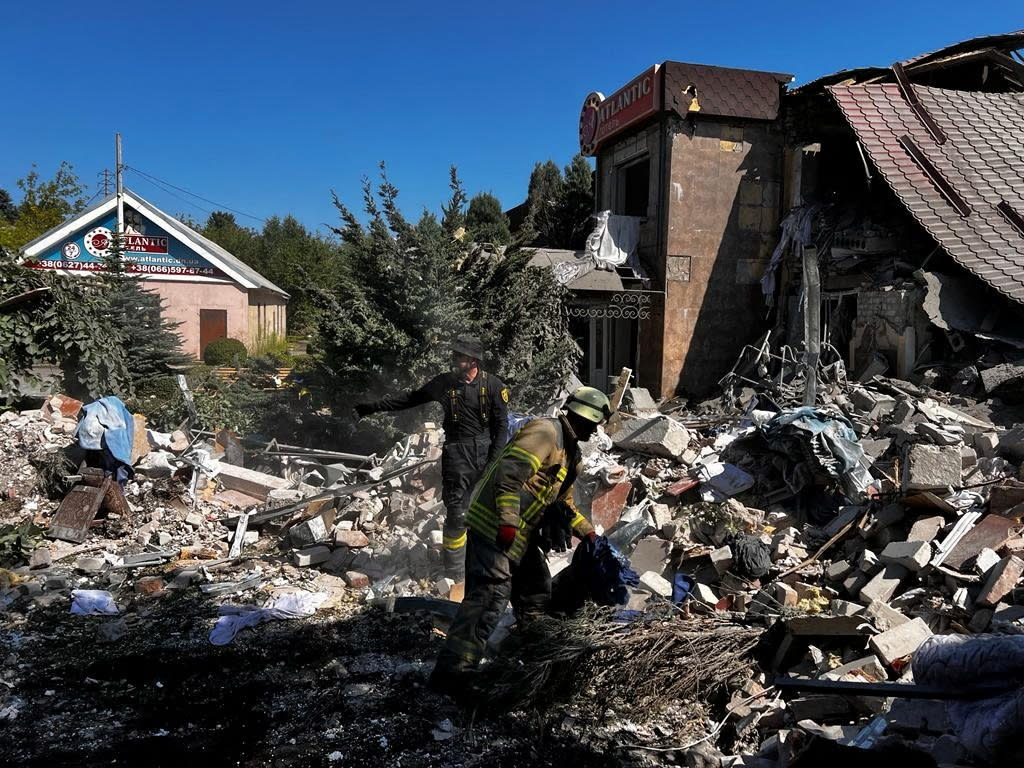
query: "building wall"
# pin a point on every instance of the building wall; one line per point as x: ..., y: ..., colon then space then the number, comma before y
x: 183, y: 300
x: 645, y: 142
x: 722, y: 197
x: 268, y: 315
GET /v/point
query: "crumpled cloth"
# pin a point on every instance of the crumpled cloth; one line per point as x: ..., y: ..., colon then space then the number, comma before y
x: 833, y: 440
x: 93, y: 602
x: 991, y: 728
x: 290, y: 605
x: 614, y: 240
x: 107, y: 422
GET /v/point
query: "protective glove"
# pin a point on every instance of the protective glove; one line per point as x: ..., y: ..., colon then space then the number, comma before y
x: 506, y: 536
x: 363, y: 409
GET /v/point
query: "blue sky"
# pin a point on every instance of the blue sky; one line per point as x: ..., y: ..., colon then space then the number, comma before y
x: 267, y: 107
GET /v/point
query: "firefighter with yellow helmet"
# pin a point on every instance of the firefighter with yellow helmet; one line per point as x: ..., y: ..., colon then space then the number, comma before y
x: 526, y: 491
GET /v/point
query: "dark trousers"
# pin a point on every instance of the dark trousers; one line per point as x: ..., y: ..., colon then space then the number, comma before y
x: 462, y: 463
x: 491, y: 581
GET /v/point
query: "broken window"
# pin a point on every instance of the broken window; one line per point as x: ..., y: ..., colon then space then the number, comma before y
x: 634, y: 181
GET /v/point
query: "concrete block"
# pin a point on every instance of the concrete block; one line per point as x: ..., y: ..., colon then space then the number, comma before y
x: 856, y: 581
x: 307, y: 533
x: 444, y: 586
x: 359, y: 580
x: 926, y: 528
x: 931, y: 467
x: 1011, y: 443
x: 884, y: 616
x: 846, y: 608
x: 868, y: 561
x: 986, y: 560
x: 249, y: 481
x: 650, y: 554
x: 786, y: 596
x: 312, y: 556
x: 607, y: 504
x: 986, y: 443
x: 351, y: 539
x: 1001, y: 581
x: 40, y: 558
x: 705, y: 594
x: 640, y: 399
x: 721, y: 559
x: 659, y: 436
x: 838, y: 570
x: 968, y: 457
x: 868, y: 667
x: 656, y: 584
x: 912, y: 555
x: 89, y: 564
x: 884, y: 584
x: 900, y: 641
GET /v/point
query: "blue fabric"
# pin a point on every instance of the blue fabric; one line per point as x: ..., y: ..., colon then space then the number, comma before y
x: 682, y: 585
x: 606, y: 572
x: 516, y: 421
x: 107, y: 424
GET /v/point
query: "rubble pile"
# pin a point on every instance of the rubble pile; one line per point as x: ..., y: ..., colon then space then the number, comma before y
x: 848, y: 537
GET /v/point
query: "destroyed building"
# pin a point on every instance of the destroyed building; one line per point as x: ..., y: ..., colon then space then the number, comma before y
x: 905, y: 187
x: 210, y: 292
x: 689, y: 164
x: 905, y: 181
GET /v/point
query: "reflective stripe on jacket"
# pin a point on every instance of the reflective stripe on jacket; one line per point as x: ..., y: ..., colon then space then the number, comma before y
x: 526, y: 478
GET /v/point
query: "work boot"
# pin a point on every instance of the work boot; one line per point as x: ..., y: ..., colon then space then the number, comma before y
x: 455, y: 682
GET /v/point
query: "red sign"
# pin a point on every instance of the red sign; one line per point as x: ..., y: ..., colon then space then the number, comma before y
x: 601, y: 118
x: 144, y: 243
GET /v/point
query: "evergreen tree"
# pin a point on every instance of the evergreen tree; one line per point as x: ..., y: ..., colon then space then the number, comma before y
x: 8, y: 210
x: 559, y: 206
x: 485, y: 220
x: 151, y: 343
x: 411, y: 289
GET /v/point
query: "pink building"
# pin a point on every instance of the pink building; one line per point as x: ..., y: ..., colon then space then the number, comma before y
x: 210, y: 292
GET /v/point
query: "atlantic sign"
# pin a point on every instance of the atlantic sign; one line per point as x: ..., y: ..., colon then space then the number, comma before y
x: 601, y: 117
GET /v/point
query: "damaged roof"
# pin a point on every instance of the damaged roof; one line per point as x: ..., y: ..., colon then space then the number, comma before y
x: 724, y: 92
x: 997, y: 47
x: 956, y: 160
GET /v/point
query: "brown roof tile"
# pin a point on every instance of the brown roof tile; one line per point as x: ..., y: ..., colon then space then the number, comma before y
x: 724, y: 92
x: 981, y: 160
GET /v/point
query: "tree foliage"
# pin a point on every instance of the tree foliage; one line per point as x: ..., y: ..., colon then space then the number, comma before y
x: 284, y: 252
x: 413, y: 288
x: 559, y: 204
x: 485, y: 220
x: 67, y: 323
x: 152, y: 344
x: 43, y: 206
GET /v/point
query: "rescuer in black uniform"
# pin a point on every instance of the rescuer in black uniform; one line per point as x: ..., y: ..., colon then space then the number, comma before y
x: 475, y: 427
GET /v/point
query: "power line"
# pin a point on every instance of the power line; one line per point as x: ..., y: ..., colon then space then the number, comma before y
x: 105, y: 175
x: 220, y: 206
x: 176, y: 196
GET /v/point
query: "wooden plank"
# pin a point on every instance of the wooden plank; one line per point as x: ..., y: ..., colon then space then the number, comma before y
x: 77, y: 511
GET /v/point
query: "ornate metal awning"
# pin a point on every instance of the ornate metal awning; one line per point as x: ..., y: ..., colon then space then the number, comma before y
x: 622, y: 305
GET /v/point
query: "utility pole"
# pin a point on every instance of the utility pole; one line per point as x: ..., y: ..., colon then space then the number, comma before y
x: 120, y: 187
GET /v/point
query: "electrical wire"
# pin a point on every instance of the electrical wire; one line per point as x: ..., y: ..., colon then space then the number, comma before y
x: 220, y: 206
x: 177, y: 196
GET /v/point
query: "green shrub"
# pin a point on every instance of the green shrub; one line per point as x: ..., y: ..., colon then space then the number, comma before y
x: 224, y: 352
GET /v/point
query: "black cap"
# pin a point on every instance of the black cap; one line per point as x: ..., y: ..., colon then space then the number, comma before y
x: 470, y: 346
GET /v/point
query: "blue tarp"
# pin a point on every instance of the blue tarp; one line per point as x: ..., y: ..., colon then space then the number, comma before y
x: 107, y: 424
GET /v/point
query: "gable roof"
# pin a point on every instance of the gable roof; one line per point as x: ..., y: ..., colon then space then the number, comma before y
x: 230, y: 265
x: 968, y: 190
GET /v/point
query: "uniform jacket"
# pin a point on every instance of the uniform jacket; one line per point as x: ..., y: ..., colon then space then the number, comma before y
x: 528, y: 476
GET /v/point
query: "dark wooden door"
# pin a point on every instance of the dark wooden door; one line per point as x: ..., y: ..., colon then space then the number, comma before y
x: 213, y: 324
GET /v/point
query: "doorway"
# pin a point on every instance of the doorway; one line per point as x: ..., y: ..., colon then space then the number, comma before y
x: 213, y: 324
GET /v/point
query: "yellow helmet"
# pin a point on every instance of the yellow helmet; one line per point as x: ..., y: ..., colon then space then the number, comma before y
x: 590, y: 404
